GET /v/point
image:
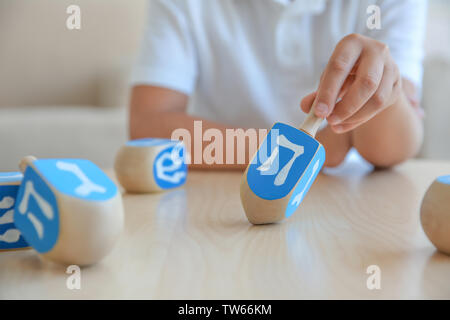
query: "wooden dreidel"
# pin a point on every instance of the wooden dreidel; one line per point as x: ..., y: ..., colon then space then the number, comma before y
x: 151, y: 165
x: 68, y: 210
x: 10, y: 236
x: 282, y: 171
x: 435, y: 213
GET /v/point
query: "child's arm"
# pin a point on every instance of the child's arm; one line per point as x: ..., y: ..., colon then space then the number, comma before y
x: 157, y: 112
x: 392, y: 136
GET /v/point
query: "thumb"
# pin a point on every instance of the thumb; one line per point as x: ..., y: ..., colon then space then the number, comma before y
x: 307, y: 102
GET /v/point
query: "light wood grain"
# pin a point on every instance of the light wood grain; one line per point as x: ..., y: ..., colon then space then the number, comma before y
x: 195, y: 242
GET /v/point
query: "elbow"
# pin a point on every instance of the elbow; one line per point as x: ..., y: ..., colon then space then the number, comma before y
x: 391, y: 145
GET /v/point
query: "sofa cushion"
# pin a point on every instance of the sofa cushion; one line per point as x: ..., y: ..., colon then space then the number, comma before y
x: 77, y: 131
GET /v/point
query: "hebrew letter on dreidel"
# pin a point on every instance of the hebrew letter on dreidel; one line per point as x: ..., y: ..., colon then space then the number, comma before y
x: 41, y: 202
x: 283, y: 173
x: 270, y: 165
x: 298, y: 151
x: 87, y: 186
x: 161, y: 170
x: 36, y: 224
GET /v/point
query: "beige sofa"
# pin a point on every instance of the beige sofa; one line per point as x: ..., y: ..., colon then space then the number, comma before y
x: 63, y: 93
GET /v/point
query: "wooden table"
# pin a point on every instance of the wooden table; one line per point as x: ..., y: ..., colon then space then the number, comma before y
x: 195, y: 243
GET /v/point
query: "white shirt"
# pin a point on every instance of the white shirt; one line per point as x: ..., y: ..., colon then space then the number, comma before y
x: 249, y: 63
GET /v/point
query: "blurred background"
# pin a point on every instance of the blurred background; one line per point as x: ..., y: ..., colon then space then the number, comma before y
x: 63, y: 93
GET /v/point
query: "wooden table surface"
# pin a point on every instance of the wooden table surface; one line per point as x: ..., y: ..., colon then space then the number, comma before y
x: 195, y: 243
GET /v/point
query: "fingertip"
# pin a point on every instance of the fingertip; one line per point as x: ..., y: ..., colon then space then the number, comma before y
x: 321, y: 110
x: 307, y: 102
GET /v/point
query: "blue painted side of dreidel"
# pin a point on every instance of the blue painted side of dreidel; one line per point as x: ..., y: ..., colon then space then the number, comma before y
x: 37, y: 213
x: 306, y: 181
x: 169, y: 167
x: 150, y: 142
x: 444, y: 179
x: 10, y: 237
x: 288, y: 158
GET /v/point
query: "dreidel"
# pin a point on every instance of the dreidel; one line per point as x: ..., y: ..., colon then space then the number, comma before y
x: 151, y: 165
x: 68, y: 210
x: 282, y: 171
x: 435, y: 213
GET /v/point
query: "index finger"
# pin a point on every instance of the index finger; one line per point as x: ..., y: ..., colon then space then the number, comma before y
x: 339, y: 66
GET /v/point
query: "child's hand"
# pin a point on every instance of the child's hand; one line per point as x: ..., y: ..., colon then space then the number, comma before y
x: 363, y: 74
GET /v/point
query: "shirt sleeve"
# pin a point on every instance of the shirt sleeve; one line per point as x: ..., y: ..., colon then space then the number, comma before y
x: 403, y: 27
x: 167, y: 57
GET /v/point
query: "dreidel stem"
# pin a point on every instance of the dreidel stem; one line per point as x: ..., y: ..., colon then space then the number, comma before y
x: 25, y: 162
x: 312, y: 123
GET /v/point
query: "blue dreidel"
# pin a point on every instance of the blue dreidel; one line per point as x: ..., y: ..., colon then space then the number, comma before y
x: 282, y: 171
x: 435, y: 213
x: 10, y: 236
x: 151, y: 165
x: 68, y: 210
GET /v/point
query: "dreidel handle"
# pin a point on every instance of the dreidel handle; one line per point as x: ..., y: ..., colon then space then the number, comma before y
x: 312, y: 122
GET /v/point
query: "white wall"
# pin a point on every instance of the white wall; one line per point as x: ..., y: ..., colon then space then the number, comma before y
x: 44, y: 63
x: 438, y: 29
